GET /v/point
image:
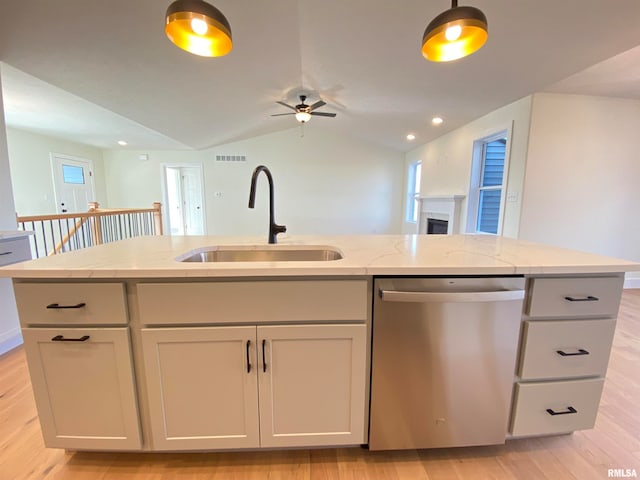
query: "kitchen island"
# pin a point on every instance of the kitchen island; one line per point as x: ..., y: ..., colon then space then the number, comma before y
x: 130, y: 348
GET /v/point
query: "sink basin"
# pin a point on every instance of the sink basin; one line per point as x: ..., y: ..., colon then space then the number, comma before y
x: 275, y: 253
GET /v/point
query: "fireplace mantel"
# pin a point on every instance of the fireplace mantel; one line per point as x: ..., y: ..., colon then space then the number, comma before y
x: 441, y: 207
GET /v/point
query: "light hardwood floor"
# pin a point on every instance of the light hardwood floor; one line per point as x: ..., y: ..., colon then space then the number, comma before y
x: 613, y: 444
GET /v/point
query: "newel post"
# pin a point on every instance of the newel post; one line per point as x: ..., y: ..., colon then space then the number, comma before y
x: 157, y: 217
x: 96, y: 224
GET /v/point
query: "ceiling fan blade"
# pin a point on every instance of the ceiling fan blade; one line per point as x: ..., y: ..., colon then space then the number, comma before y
x: 324, y: 114
x: 286, y: 105
x: 318, y: 104
x: 280, y: 114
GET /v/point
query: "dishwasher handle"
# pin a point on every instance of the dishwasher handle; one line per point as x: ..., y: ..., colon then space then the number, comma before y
x: 442, y: 297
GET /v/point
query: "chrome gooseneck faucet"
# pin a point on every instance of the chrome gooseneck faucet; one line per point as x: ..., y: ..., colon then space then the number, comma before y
x: 274, y: 228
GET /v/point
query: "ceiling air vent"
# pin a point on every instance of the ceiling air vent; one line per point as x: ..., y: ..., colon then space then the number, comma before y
x: 231, y: 158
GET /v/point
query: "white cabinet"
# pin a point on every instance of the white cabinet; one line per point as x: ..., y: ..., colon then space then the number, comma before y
x: 565, y: 346
x: 70, y: 304
x: 242, y: 301
x: 13, y: 250
x: 545, y: 408
x: 312, y: 388
x: 83, y: 385
x: 202, y: 387
x: 574, y: 297
x: 245, y: 387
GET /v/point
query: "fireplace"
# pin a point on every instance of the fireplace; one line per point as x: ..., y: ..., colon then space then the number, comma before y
x: 440, y: 214
x: 437, y: 226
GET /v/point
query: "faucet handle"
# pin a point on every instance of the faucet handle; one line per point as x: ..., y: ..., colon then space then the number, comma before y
x: 279, y: 228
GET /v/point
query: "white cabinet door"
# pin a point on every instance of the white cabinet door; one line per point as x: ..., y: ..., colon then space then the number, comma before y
x: 84, y: 389
x: 312, y: 385
x: 202, y: 387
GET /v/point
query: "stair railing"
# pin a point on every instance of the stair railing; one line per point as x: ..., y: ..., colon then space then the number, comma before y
x: 65, y: 232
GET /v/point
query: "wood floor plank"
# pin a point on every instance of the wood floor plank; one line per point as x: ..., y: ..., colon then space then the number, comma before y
x: 614, y: 443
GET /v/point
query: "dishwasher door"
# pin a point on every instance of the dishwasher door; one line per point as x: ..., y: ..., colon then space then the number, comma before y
x: 443, y: 361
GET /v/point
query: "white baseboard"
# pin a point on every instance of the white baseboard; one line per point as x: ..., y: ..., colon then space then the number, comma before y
x: 10, y: 340
x: 633, y: 282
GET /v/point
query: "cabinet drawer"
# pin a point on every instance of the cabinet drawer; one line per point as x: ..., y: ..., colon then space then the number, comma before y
x: 71, y: 303
x: 566, y: 348
x: 260, y: 301
x: 13, y: 251
x: 575, y: 297
x: 556, y: 407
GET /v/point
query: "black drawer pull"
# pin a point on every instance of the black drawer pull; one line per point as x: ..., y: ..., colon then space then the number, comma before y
x: 60, y: 338
x: 248, y: 359
x: 6, y: 253
x: 580, y: 351
x: 589, y: 298
x: 566, y: 412
x: 58, y: 306
x: 264, y: 357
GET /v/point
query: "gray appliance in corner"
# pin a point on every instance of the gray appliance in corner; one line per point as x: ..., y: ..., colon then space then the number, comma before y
x: 443, y: 360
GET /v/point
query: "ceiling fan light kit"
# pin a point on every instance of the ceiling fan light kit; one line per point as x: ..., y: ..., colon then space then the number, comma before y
x: 455, y: 33
x: 303, y: 117
x: 198, y: 28
x: 303, y: 112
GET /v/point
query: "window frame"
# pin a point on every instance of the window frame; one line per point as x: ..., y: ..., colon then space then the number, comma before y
x: 412, y: 206
x: 477, y: 170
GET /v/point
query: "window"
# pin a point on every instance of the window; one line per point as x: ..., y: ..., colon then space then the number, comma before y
x: 72, y: 174
x: 413, y: 192
x: 486, y: 201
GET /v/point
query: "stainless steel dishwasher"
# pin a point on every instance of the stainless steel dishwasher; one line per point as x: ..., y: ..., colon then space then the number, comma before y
x: 443, y: 360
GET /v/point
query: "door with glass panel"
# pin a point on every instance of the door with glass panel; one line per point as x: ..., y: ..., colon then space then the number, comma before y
x: 72, y: 182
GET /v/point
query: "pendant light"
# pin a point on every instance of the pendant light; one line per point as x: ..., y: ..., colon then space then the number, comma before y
x: 198, y: 28
x: 455, y: 33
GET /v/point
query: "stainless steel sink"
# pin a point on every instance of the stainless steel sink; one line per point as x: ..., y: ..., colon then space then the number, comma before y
x: 276, y: 253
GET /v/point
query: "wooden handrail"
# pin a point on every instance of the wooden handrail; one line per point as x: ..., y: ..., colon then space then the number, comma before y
x: 94, y: 227
x: 95, y: 213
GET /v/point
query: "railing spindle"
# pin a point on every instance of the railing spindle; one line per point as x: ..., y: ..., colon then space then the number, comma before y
x: 67, y: 231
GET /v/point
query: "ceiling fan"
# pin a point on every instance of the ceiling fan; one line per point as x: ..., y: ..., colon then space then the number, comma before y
x: 303, y: 112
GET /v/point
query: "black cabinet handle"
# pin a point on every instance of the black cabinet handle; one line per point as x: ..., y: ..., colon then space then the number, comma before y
x: 566, y: 412
x: 248, y: 359
x: 58, y: 306
x: 6, y: 253
x: 264, y: 357
x: 589, y: 298
x: 581, y: 351
x: 60, y: 338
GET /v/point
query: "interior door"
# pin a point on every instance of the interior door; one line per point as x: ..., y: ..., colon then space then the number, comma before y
x: 192, y: 201
x: 184, y: 200
x: 73, y: 183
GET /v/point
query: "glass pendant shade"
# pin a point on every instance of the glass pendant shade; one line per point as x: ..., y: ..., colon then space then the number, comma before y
x: 198, y: 28
x: 303, y: 117
x: 455, y: 33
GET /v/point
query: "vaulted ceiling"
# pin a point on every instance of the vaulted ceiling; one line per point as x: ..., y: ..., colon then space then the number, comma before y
x: 99, y: 71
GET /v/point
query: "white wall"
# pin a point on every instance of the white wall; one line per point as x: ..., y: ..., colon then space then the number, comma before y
x: 582, y: 188
x: 446, y: 161
x: 31, y: 175
x: 324, y: 183
x: 9, y: 324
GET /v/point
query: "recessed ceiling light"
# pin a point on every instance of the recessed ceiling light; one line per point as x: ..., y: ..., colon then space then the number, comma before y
x: 437, y: 120
x: 122, y: 143
x: 411, y: 136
